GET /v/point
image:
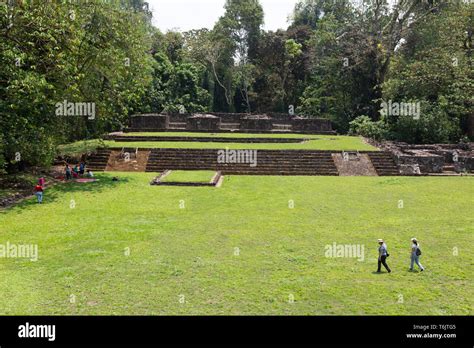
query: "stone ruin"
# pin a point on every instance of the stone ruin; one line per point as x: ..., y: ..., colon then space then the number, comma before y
x: 432, y: 159
x: 308, y: 124
x: 256, y: 123
x: 230, y: 122
x: 153, y: 122
x: 201, y: 122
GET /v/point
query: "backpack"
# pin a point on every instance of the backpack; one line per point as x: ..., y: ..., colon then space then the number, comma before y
x: 418, y: 251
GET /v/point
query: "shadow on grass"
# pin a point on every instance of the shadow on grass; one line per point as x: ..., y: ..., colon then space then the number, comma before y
x: 51, y: 194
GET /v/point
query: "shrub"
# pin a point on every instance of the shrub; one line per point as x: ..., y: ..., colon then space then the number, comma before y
x: 365, y: 127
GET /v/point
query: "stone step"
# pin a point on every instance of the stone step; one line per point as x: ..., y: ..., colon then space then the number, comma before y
x: 276, y: 163
x: 263, y: 156
x: 269, y: 162
x: 98, y: 161
x: 177, y: 163
x: 99, y: 158
x: 211, y: 167
x: 258, y: 160
x: 246, y: 169
x: 214, y: 152
x: 288, y: 158
x: 384, y: 164
x: 243, y: 172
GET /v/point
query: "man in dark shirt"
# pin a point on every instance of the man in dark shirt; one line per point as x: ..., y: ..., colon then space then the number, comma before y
x: 383, y: 254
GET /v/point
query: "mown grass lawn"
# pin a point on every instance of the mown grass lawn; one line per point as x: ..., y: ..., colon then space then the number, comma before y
x: 200, y: 176
x: 79, y: 147
x: 240, y: 249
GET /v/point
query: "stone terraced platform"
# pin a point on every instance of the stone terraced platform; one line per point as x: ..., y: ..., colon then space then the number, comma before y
x: 265, y: 162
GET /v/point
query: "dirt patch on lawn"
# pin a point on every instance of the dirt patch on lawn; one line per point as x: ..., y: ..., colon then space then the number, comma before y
x: 128, y: 162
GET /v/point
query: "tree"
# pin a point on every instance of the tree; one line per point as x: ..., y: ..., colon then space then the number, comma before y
x: 433, y: 67
x: 237, y: 34
x: 95, y: 53
x: 176, y: 85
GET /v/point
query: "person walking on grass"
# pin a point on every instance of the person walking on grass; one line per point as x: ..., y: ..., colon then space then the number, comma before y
x: 383, y: 254
x: 415, y: 255
x: 39, y: 193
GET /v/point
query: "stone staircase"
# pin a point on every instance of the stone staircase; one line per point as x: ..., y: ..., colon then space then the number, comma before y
x: 97, y: 162
x: 269, y: 162
x: 449, y: 169
x: 384, y: 164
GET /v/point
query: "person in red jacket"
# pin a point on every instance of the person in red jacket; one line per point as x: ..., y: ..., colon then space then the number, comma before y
x: 39, y: 193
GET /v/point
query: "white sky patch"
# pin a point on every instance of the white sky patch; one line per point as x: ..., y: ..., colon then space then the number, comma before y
x: 185, y: 15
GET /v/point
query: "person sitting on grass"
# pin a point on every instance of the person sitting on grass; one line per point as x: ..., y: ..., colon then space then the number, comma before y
x: 68, y: 172
x: 90, y: 174
x: 415, y: 255
x: 383, y: 254
x: 39, y: 193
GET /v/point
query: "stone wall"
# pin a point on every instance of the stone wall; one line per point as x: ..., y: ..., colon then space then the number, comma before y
x: 203, y: 123
x: 426, y: 163
x: 464, y: 164
x: 311, y: 124
x: 245, y: 122
x: 228, y: 117
x: 150, y: 121
x: 256, y: 123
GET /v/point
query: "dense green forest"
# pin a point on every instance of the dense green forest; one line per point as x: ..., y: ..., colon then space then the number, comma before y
x: 337, y: 59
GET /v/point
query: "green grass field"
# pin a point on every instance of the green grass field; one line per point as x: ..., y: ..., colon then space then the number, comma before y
x: 318, y: 142
x: 201, y: 176
x: 240, y: 249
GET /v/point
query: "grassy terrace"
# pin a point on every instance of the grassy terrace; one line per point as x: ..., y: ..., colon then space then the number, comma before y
x: 226, y: 135
x: 183, y: 241
x: 318, y: 142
